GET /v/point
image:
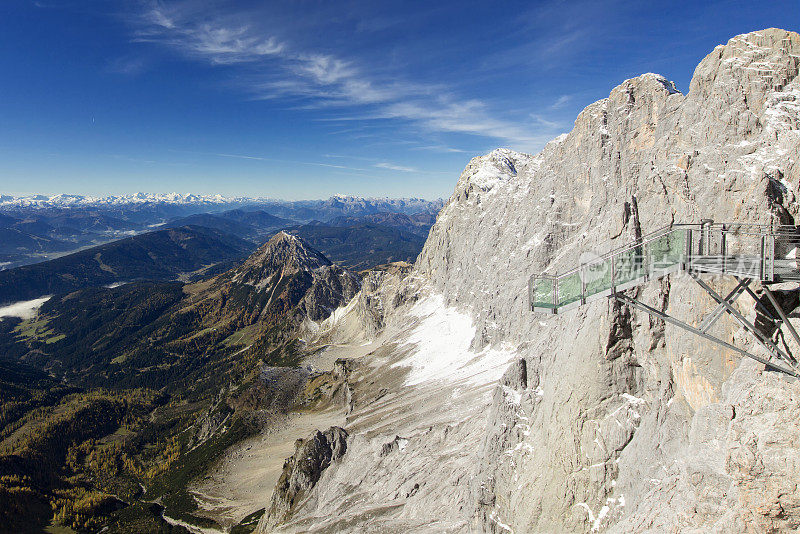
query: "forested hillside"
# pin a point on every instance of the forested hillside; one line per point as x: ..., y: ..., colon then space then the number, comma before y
x: 160, y: 255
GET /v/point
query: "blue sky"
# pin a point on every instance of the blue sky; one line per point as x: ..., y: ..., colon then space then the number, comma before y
x: 304, y: 99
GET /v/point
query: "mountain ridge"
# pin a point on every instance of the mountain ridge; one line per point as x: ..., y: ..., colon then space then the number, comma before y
x: 363, y: 245
x: 67, y: 200
x: 160, y: 255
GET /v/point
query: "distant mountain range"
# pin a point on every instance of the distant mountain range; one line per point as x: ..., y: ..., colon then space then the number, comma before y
x: 256, y: 226
x: 335, y: 205
x: 65, y: 200
x: 205, y: 244
x: 37, y: 228
x: 33, y: 235
x: 416, y: 223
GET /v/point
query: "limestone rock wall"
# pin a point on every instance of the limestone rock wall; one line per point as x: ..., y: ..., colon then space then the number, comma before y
x: 625, y: 421
x: 605, y: 419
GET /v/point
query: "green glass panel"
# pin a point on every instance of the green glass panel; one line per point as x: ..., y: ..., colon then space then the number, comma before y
x: 597, y: 277
x: 543, y: 293
x: 629, y: 265
x: 569, y: 288
x: 667, y: 250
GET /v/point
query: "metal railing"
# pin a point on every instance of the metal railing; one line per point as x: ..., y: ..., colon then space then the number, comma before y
x: 763, y: 252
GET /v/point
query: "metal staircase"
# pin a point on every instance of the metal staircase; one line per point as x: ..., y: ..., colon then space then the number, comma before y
x: 746, y: 252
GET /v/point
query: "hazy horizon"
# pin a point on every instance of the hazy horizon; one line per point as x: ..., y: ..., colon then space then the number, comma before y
x: 242, y: 198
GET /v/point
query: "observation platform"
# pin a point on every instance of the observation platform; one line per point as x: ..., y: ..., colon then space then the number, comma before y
x: 748, y: 252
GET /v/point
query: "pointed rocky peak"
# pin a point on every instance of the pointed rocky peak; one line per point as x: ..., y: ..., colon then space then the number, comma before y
x: 287, y: 279
x: 285, y: 254
x: 291, y: 251
x: 650, y: 87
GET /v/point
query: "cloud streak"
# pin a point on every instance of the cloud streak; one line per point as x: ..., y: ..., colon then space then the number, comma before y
x: 561, y: 101
x: 278, y: 160
x: 393, y: 167
x: 440, y: 148
x: 324, y: 81
x: 219, y: 44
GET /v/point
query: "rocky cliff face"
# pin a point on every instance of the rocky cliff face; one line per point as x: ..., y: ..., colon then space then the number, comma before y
x: 302, y: 471
x: 603, y: 418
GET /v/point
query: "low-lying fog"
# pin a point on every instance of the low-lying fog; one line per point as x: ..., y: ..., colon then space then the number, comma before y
x: 25, y: 309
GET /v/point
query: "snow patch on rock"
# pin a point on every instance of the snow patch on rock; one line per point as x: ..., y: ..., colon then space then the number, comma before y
x: 442, y: 347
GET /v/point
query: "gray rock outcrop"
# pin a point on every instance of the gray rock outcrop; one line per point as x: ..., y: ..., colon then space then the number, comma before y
x: 382, y: 291
x: 302, y: 471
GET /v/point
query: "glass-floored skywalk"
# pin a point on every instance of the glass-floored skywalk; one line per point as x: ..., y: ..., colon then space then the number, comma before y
x: 758, y: 252
x: 747, y: 252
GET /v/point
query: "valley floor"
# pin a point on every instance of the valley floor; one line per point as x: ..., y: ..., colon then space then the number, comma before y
x: 241, y: 482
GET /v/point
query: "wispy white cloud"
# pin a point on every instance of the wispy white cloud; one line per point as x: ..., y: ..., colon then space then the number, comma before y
x: 343, y: 156
x: 467, y: 116
x: 440, y: 148
x: 323, y: 80
x: 219, y: 44
x: 538, y: 119
x: 561, y: 101
x: 132, y: 159
x: 324, y: 69
x: 334, y: 166
x: 240, y: 156
x: 393, y: 167
x: 278, y: 160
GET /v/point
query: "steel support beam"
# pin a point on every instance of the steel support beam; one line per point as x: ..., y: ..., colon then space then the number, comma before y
x: 759, y: 305
x: 712, y: 317
x: 689, y: 328
x: 762, y: 340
